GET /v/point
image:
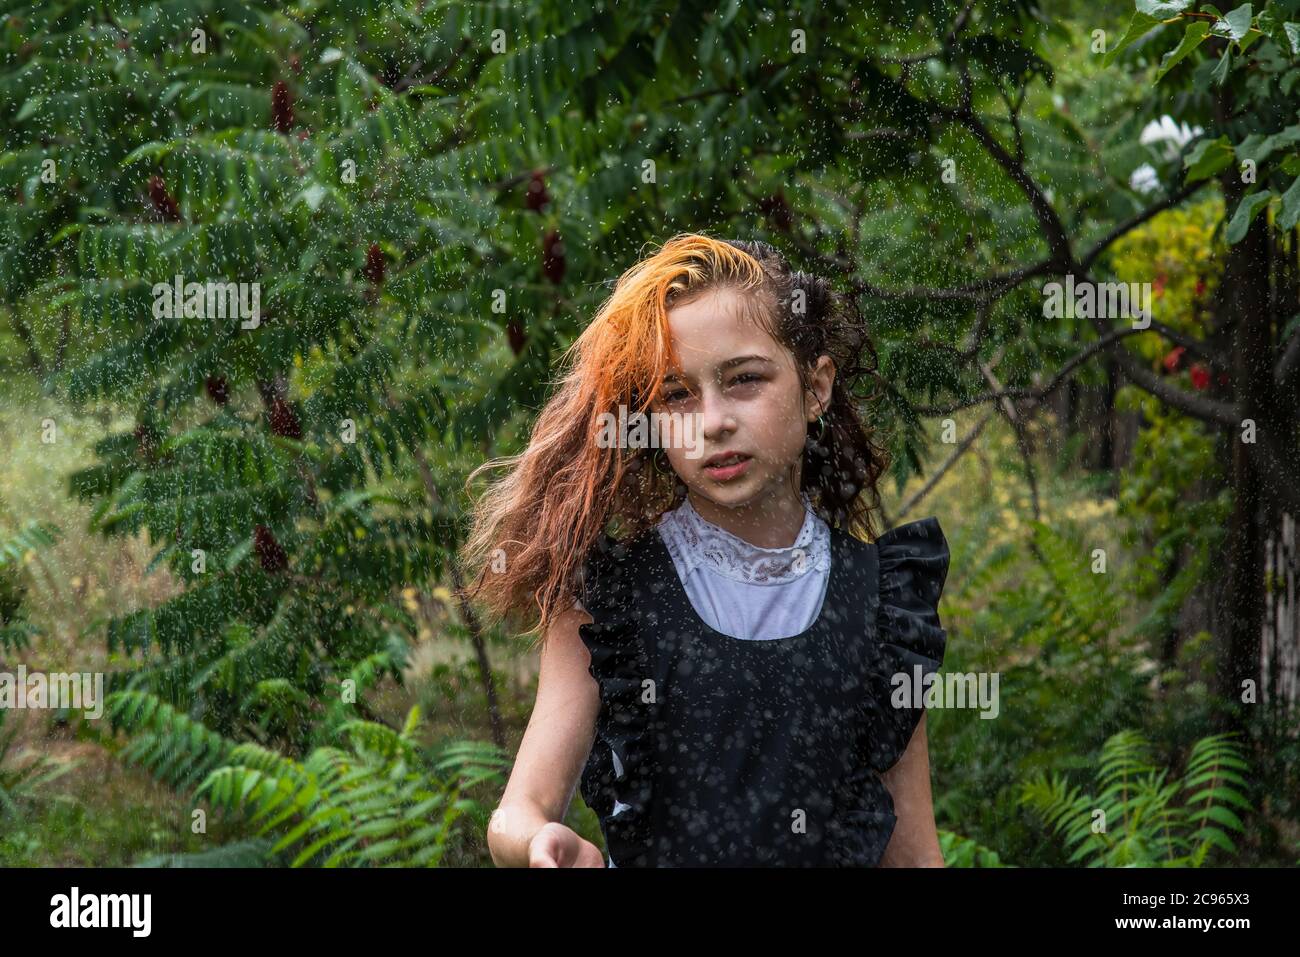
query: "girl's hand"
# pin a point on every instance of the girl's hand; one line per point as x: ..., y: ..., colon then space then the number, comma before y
x: 555, y: 845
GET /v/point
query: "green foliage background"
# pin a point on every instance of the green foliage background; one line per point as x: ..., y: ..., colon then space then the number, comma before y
x: 434, y: 198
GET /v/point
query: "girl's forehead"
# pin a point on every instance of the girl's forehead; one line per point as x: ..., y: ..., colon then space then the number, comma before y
x: 714, y: 326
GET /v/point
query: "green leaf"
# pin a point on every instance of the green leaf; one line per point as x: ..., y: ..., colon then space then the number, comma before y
x: 30, y: 107
x: 312, y: 196
x: 708, y: 39
x: 1251, y: 147
x: 1268, y: 24
x: 1207, y: 158
x: 151, y: 151
x: 1138, y: 27
x: 1291, y: 326
x: 1212, y: 835
x: 1220, y: 814
x: 1234, y: 25
x: 1220, y: 74
x: 1195, y: 34
x: 1163, y: 9
x: 71, y: 229
x: 1245, y: 214
x: 1287, y: 137
x: 1258, y: 147
x: 310, y: 850
x: 1293, y: 36
x: 1290, y: 214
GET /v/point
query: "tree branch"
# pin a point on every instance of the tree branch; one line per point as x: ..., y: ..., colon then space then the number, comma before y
x: 987, y: 287
x: 470, y: 617
x: 1022, y: 438
x: 948, y: 463
x: 1058, y: 241
x: 411, y: 79
x: 25, y: 334
x: 958, y: 26
x: 65, y: 334
x: 1199, y: 407
x: 1173, y: 199
x: 1195, y: 346
x: 1041, y: 394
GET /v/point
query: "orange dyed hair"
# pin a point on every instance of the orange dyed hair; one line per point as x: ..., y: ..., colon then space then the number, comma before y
x: 557, y: 496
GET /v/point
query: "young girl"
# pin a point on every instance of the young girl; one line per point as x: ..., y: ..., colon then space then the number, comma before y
x: 720, y: 646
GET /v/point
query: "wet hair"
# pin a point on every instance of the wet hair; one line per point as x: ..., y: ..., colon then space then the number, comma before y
x: 564, y: 490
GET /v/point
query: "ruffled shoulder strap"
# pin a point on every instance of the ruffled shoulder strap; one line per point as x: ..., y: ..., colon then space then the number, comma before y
x: 913, y: 560
x: 616, y: 781
x: 601, y: 575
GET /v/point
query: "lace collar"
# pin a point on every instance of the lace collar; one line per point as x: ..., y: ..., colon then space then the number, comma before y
x: 693, y: 541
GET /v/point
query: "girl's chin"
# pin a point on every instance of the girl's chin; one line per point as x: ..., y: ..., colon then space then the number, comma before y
x: 729, y: 494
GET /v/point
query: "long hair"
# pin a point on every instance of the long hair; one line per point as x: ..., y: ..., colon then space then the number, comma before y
x: 533, y: 527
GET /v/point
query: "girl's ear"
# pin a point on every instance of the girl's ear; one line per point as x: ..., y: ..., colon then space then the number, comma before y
x: 820, y: 384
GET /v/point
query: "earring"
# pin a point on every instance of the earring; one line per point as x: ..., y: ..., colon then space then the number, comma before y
x: 821, y: 429
x: 817, y: 444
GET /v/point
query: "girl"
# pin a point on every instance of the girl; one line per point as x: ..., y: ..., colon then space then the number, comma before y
x: 719, y: 645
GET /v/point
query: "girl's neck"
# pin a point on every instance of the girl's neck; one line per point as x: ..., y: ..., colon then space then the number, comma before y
x: 774, y: 521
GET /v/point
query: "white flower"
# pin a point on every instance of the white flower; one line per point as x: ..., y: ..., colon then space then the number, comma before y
x: 1144, y: 179
x: 1167, y: 131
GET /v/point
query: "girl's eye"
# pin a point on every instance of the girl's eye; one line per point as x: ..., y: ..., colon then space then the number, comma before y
x: 681, y: 395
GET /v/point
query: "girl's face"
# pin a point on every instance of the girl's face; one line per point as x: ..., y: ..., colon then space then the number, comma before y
x: 753, y: 410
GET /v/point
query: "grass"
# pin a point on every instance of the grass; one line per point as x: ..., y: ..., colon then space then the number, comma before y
x: 100, y: 814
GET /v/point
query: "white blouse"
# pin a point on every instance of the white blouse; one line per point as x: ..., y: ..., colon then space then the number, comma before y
x: 742, y: 590
x: 745, y: 591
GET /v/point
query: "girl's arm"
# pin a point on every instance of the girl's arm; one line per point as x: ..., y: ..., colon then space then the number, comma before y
x: 550, y: 759
x: 915, y: 842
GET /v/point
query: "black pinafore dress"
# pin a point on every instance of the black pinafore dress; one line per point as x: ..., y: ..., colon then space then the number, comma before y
x: 716, y: 751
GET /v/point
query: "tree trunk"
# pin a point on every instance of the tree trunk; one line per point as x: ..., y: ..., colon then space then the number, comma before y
x: 1109, y: 424
x: 1246, y: 278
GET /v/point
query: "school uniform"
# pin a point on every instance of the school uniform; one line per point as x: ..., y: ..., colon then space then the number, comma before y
x: 746, y: 712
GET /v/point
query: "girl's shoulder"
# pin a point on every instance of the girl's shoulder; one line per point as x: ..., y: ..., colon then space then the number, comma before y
x: 913, y: 560
x: 608, y: 552
x: 613, y: 564
x: 912, y: 555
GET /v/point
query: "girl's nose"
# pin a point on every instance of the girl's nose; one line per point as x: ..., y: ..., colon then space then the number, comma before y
x: 717, y: 419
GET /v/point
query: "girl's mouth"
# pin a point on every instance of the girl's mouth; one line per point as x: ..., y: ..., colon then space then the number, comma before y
x: 723, y: 469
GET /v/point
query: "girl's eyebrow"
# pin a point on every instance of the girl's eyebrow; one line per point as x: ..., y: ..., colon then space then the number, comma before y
x: 724, y: 366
